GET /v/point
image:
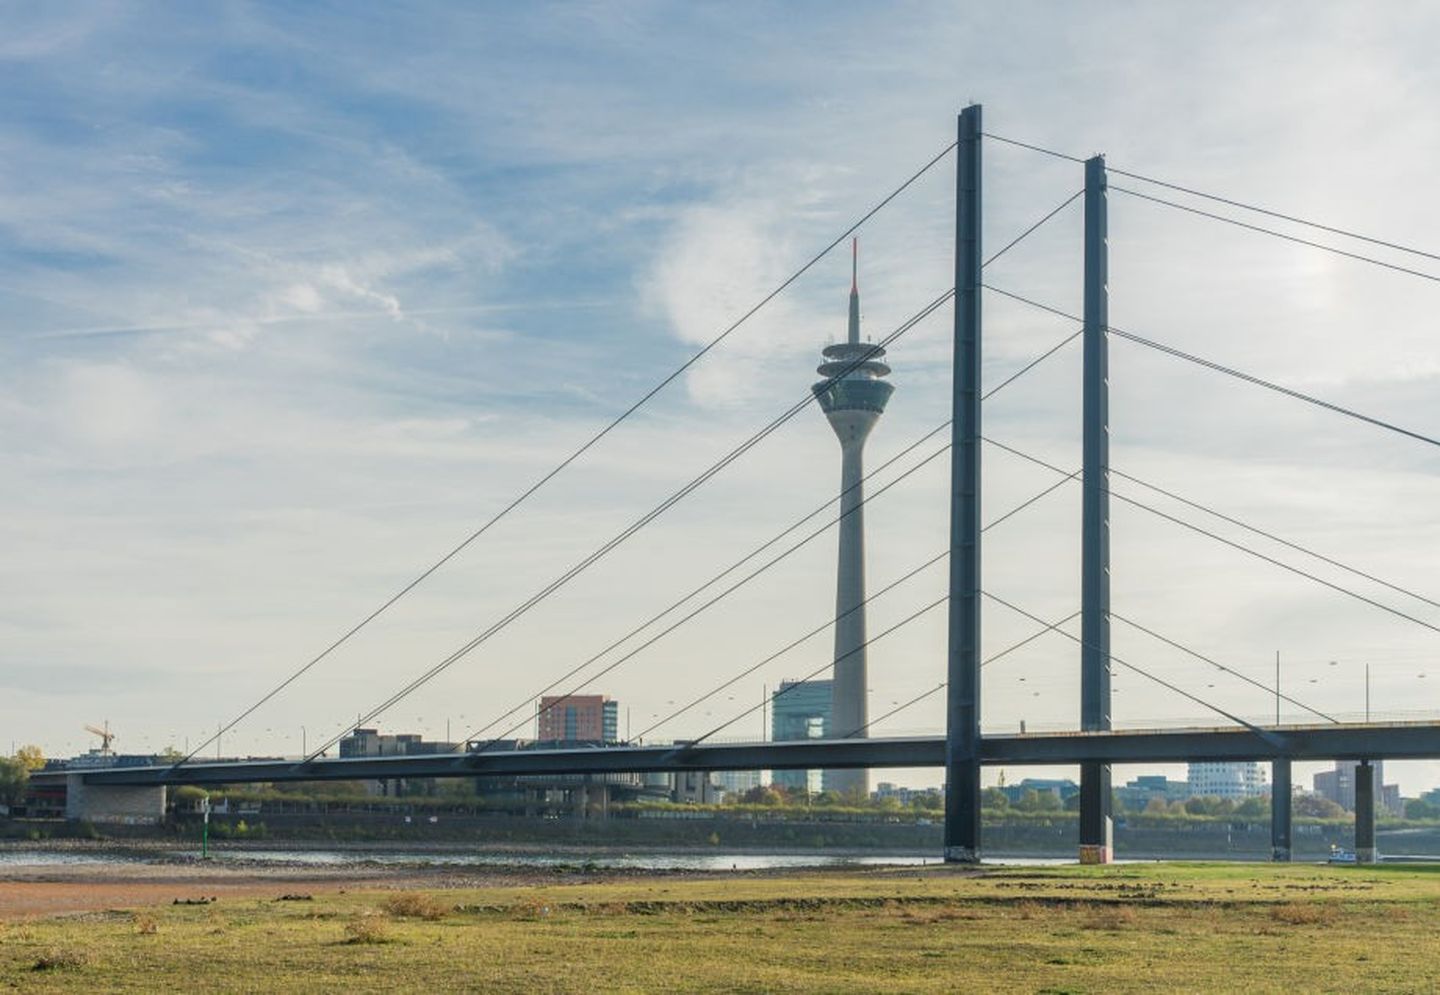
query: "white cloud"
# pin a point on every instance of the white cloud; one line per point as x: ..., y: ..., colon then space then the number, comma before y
x: 283, y: 385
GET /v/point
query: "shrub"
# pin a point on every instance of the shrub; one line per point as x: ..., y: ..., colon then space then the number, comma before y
x: 368, y: 927
x: 62, y: 958
x: 413, y: 905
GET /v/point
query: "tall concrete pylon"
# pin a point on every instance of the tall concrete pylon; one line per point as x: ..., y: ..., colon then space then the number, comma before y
x: 853, y: 396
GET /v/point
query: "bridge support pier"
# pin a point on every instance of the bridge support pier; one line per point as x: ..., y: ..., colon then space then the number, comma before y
x: 1281, y: 796
x: 113, y: 803
x: 1096, y: 824
x: 1097, y: 828
x: 1365, y: 852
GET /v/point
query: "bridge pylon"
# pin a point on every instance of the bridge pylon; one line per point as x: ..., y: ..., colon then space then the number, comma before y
x: 1096, y: 824
x: 962, y: 703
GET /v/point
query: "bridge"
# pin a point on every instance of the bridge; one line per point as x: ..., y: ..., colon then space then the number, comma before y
x: 1356, y: 741
x: 964, y: 748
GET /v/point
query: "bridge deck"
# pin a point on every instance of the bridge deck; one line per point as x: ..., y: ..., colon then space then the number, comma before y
x: 1376, y: 741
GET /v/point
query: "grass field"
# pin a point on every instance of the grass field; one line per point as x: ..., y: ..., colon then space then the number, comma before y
x: 1178, y: 927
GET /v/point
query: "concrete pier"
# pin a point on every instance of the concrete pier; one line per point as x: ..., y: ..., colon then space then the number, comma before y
x: 1281, y: 796
x: 113, y: 803
x: 1365, y: 852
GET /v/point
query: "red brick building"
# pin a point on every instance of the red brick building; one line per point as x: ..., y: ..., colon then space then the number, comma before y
x: 586, y: 718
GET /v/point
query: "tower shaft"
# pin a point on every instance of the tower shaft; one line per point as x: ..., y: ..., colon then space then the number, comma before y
x: 849, y: 710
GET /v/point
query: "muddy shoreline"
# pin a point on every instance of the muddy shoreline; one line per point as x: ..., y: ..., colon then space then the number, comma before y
x: 37, y: 890
x: 158, y: 872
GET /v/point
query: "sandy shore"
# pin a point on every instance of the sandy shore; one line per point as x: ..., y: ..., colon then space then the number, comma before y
x: 51, y: 889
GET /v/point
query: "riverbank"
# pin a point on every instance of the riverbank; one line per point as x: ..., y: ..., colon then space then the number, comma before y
x: 1180, y: 839
x: 48, y: 889
x: 83, y: 875
x: 1185, y: 927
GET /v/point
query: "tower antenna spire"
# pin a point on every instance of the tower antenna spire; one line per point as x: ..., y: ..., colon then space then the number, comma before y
x: 853, y: 335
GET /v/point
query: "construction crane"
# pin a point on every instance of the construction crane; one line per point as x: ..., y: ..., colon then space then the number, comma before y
x: 106, y: 736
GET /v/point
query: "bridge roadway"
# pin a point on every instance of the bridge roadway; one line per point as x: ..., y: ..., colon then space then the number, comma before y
x: 1357, y: 741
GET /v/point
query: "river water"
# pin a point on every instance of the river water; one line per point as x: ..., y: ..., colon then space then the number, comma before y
x: 641, y: 860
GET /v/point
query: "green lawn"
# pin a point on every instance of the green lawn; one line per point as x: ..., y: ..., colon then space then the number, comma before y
x: 1181, y: 927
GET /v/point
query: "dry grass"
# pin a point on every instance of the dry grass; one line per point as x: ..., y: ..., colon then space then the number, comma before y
x: 1026, y: 909
x: 1115, y: 918
x: 416, y: 905
x: 61, y: 959
x: 1195, y: 928
x: 368, y: 926
x: 529, y: 908
x: 1305, y: 913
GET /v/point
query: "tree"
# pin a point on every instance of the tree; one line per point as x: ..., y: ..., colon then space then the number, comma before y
x: 459, y: 789
x: 31, y: 757
x: 14, y: 777
x: 1418, y: 808
x: 1253, y: 808
x: 1157, y: 806
x: 763, y: 794
x: 994, y: 798
x: 929, y: 801
x: 1029, y: 801
x: 1038, y: 801
x: 1208, y: 805
x: 1314, y: 806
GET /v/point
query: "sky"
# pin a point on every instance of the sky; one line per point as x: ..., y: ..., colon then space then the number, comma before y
x: 293, y: 298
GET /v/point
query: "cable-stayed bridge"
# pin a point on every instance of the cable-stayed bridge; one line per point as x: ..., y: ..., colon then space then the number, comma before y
x: 963, y: 749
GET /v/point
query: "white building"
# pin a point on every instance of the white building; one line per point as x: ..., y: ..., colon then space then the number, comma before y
x: 1235, y: 781
x: 737, y: 782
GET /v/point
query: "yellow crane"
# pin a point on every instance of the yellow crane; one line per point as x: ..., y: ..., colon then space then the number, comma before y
x: 106, y: 736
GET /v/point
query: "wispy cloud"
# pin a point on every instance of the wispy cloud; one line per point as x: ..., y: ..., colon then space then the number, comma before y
x: 295, y: 296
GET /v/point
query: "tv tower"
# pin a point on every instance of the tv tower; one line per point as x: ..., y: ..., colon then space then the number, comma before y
x: 853, y: 397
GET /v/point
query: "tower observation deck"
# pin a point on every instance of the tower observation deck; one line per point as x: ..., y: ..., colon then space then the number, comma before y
x: 853, y: 396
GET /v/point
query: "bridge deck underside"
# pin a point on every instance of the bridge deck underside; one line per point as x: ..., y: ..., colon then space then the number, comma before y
x: 1405, y: 741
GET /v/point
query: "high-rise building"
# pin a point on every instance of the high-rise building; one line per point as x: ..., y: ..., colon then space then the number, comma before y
x: 800, y: 710
x: 853, y: 395
x: 578, y: 718
x: 1338, y: 785
x: 1235, y: 781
